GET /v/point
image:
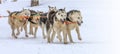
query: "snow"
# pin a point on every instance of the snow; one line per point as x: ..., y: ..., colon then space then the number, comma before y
x: 95, y: 31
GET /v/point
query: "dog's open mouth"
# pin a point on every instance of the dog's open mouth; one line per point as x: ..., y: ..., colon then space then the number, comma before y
x: 79, y: 23
x: 62, y: 21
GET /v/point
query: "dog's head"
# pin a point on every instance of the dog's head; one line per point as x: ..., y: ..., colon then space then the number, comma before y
x: 61, y: 15
x: 25, y: 14
x: 36, y: 17
x: 52, y: 8
x: 75, y: 16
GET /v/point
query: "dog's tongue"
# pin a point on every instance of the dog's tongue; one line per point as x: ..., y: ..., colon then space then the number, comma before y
x: 79, y: 23
x: 62, y: 21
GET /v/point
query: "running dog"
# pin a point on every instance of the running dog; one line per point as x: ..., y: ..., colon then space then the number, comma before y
x: 57, y: 25
x: 18, y: 20
x: 73, y: 21
x: 44, y: 18
x: 34, y: 22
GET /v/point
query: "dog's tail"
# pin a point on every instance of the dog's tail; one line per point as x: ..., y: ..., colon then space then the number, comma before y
x: 8, y: 11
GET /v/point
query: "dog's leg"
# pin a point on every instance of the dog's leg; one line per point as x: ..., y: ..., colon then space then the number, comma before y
x: 36, y: 28
x: 53, y: 36
x: 21, y: 28
x: 48, y: 35
x: 31, y: 29
x: 59, y: 36
x: 43, y: 31
x: 69, y: 35
x: 25, y: 29
x: 78, y: 32
x: 65, y: 36
x: 18, y: 32
x: 13, y: 31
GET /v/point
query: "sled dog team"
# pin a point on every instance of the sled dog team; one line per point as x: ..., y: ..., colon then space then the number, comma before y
x: 54, y: 22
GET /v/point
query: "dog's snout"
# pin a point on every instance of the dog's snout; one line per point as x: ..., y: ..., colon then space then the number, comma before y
x: 64, y: 19
x: 81, y: 21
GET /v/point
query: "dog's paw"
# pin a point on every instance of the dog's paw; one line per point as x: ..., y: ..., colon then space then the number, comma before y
x: 18, y: 33
x: 65, y: 42
x: 80, y: 38
x: 60, y: 38
x: 26, y: 35
x: 15, y: 37
x: 44, y: 37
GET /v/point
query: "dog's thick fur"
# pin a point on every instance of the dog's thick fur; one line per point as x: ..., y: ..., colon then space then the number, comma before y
x: 56, y: 24
x: 75, y: 19
x: 44, y: 18
x: 34, y: 22
x: 18, y: 20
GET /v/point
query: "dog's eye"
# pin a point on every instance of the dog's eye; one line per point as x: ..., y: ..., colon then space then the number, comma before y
x: 62, y: 11
x: 58, y: 13
x: 62, y: 15
x: 78, y: 17
x: 26, y: 14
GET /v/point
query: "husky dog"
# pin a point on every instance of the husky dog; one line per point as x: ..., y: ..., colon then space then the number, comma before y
x: 18, y: 20
x: 44, y: 19
x: 57, y: 25
x: 74, y: 20
x: 34, y: 22
x: 42, y: 22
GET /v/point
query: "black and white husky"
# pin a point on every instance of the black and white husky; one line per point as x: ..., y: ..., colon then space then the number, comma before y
x: 44, y: 19
x: 72, y: 21
x: 34, y: 22
x: 56, y: 24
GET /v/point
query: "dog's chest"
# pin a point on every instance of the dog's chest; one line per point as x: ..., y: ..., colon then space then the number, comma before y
x: 72, y: 26
x: 34, y: 25
x: 59, y: 25
x: 18, y: 23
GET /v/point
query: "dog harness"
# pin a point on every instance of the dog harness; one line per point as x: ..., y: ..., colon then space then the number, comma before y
x: 68, y: 22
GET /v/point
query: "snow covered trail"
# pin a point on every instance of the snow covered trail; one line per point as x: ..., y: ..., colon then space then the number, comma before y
x: 95, y: 31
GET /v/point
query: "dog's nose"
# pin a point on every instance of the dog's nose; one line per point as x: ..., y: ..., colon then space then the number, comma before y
x: 81, y: 21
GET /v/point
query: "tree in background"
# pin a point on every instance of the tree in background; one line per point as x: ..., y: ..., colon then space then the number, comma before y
x: 34, y: 3
x: 14, y: 0
x: 0, y: 1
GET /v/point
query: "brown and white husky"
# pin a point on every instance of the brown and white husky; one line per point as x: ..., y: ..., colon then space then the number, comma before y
x: 18, y: 20
x: 73, y: 21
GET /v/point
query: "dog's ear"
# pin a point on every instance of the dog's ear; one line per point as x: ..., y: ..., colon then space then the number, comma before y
x: 64, y: 8
x: 38, y: 11
x: 8, y: 11
x: 55, y: 7
x: 28, y: 9
x: 23, y: 9
x: 49, y: 6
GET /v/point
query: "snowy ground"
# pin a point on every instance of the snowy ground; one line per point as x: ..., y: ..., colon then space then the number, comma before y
x: 95, y: 31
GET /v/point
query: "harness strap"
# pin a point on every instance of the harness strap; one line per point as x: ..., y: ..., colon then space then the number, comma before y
x: 30, y: 20
x: 68, y: 22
